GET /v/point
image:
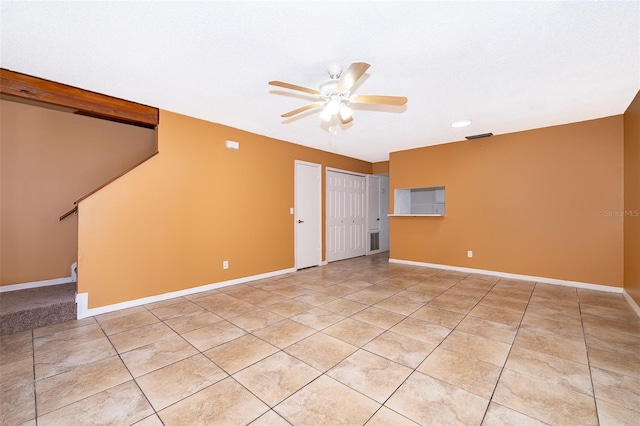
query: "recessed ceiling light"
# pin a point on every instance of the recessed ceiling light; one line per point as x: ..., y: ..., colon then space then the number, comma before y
x: 460, y: 123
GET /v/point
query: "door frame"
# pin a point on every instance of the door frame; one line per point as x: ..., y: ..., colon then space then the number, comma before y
x: 384, y: 217
x: 295, y: 209
x: 366, y: 211
x: 369, y: 230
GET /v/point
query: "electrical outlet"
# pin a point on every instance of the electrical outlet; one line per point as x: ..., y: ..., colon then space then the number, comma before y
x: 225, y: 264
x: 469, y: 253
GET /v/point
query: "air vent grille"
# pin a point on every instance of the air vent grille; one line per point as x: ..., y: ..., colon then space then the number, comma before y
x: 481, y: 135
x: 374, y: 241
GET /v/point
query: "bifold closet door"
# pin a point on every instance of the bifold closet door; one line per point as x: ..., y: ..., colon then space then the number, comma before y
x: 346, y: 215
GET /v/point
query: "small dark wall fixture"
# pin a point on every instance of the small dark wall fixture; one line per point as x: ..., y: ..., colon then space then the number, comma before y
x: 481, y: 135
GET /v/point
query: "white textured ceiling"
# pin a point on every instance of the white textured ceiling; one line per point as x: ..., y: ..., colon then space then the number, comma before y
x: 508, y: 66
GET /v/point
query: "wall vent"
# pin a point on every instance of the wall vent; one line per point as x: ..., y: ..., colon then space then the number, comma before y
x: 481, y: 135
x: 374, y: 241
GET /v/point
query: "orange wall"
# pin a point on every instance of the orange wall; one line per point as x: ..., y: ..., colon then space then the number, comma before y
x: 50, y: 159
x: 632, y: 199
x: 168, y: 224
x: 380, y: 167
x: 531, y: 203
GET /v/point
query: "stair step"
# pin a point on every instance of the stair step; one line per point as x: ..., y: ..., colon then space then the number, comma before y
x: 37, y: 307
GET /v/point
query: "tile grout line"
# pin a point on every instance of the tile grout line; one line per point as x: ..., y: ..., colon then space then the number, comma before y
x: 128, y: 370
x: 135, y: 379
x: 35, y: 392
x: 437, y: 346
x: 414, y: 370
x: 586, y: 348
x: 463, y: 318
x: 357, y: 349
x: 229, y: 376
x: 325, y: 372
x: 507, y: 358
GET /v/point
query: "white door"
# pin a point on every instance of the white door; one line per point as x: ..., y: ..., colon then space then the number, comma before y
x: 346, y: 217
x: 384, y: 211
x: 308, y: 214
x: 373, y: 214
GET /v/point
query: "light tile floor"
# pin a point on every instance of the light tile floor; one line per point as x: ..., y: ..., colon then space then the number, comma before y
x: 356, y: 342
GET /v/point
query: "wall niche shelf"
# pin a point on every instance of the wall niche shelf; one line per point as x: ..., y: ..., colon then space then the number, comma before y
x: 427, y: 201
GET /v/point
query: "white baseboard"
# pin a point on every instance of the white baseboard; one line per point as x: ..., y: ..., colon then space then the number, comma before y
x: 36, y: 284
x: 82, y: 299
x: 578, y: 284
x: 632, y: 302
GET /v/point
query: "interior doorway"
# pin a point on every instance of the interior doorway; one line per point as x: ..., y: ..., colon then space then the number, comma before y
x: 377, y: 213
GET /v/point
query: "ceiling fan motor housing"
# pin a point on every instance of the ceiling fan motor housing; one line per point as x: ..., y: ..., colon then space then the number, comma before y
x: 328, y: 88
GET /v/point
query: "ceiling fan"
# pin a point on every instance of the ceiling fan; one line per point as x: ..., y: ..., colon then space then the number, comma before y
x: 335, y: 94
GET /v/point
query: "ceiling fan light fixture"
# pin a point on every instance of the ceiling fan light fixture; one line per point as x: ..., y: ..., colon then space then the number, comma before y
x: 333, y: 106
x: 460, y: 123
x: 330, y: 110
x: 325, y: 116
x: 346, y: 113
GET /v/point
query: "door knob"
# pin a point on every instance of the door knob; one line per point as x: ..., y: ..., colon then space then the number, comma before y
x: 300, y: 221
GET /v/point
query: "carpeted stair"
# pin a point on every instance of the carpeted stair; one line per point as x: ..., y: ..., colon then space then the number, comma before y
x: 37, y: 307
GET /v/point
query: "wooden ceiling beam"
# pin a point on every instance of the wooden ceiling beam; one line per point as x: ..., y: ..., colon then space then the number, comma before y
x: 83, y: 101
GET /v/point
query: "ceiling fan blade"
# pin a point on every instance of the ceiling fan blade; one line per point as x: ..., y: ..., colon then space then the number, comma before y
x: 351, y: 76
x: 295, y: 87
x: 302, y: 109
x: 379, y: 99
